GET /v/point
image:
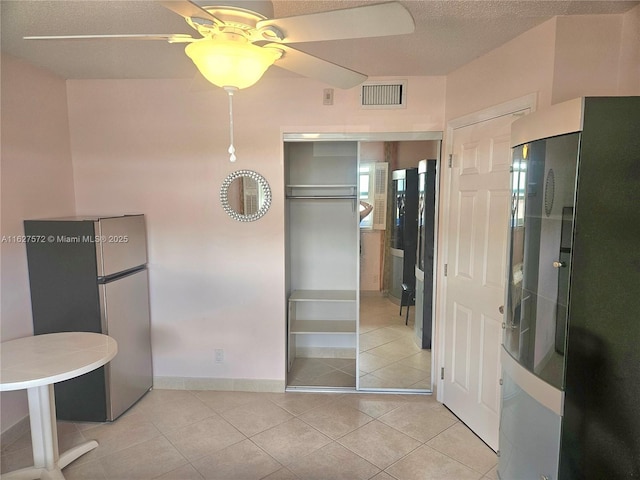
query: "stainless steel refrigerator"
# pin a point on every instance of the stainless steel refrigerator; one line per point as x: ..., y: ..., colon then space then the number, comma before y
x: 89, y: 274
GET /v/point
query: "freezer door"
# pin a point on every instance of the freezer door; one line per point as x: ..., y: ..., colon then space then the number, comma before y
x: 121, y: 244
x: 125, y: 307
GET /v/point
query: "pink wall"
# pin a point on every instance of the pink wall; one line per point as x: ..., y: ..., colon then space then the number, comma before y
x: 587, y: 56
x: 629, y: 73
x: 158, y: 148
x: 37, y: 181
x: 563, y: 58
x: 515, y: 69
x: 597, y: 55
x: 410, y: 153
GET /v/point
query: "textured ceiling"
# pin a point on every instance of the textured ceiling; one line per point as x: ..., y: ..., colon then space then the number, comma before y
x: 448, y: 34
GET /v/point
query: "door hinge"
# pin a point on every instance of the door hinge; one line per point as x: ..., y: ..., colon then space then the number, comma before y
x: 446, y: 268
x: 450, y: 160
x: 442, y: 373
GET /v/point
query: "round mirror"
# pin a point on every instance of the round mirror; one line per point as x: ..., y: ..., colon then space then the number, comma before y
x: 245, y: 195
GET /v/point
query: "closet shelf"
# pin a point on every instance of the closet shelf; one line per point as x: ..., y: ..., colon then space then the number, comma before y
x: 323, y: 296
x: 318, y: 326
x: 323, y: 327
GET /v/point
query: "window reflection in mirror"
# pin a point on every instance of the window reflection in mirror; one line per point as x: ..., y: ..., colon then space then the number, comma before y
x: 244, y: 196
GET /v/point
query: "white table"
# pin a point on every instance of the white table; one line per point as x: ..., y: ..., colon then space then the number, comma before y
x: 36, y: 363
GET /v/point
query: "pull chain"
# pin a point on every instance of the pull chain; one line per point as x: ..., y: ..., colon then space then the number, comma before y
x: 232, y: 150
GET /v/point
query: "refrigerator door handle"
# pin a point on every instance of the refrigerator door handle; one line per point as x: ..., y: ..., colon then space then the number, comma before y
x: 103, y: 309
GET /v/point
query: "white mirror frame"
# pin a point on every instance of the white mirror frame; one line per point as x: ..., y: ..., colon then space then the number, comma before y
x: 263, y: 185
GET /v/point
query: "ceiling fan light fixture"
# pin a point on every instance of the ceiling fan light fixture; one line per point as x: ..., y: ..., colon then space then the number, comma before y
x: 229, y: 63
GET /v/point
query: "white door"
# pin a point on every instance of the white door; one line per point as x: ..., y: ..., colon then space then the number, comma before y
x: 475, y: 282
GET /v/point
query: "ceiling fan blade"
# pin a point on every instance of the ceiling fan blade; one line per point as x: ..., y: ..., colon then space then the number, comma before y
x: 359, y: 22
x: 171, y: 38
x: 188, y: 9
x: 314, y: 67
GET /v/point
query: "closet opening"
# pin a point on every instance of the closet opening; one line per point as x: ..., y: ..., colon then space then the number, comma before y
x: 354, y: 236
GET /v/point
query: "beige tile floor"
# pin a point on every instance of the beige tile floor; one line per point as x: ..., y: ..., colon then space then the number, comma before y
x: 389, y: 357
x: 196, y: 435
x: 323, y: 372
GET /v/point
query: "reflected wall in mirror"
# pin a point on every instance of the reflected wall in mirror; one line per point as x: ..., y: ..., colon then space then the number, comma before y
x: 245, y: 195
x: 394, y: 340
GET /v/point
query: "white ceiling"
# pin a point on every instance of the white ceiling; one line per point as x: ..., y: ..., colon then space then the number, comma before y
x: 448, y: 34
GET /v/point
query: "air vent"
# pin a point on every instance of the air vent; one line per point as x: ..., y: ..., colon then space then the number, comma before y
x: 384, y: 95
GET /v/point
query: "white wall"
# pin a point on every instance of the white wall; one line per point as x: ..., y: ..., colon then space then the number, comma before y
x: 157, y: 148
x: 37, y: 181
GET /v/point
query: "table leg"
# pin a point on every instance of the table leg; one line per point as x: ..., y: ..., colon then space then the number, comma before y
x: 44, y: 432
x: 47, y: 462
x: 44, y: 436
x: 76, y: 452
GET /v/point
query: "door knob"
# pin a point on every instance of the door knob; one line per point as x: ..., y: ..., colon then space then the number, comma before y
x: 501, y: 309
x: 559, y: 264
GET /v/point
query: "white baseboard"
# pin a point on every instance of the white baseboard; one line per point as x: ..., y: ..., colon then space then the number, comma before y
x: 221, y: 384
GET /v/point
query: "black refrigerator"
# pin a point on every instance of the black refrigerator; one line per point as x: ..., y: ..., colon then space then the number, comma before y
x: 89, y: 274
x: 425, y: 254
x: 571, y: 355
x: 404, y: 233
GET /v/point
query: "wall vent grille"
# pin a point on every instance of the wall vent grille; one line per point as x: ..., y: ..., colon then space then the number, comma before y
x: 384, y: 95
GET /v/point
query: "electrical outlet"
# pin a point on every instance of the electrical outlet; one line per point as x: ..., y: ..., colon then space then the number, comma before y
x: 219, y: 353
x: 327, y: 96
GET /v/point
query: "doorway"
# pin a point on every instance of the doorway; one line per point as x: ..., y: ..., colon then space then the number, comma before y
x: 474, y: 262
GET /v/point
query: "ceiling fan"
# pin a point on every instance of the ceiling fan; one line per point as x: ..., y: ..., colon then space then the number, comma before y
x: 237, y: 44
x: 230, y: 34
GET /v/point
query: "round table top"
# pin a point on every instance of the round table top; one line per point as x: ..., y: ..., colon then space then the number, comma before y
x: 44, y: 359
